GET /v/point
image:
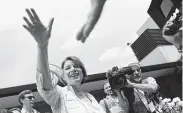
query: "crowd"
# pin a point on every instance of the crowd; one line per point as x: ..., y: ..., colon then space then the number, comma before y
x: 136, y: 96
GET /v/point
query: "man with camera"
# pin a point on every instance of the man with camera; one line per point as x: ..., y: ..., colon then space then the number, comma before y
x: 136, y: 90
x: 111, y: 103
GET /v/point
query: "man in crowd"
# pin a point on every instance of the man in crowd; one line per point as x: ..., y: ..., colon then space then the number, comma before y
x: 138, y: 91
x: 26, y: 99
x: 111, y: 103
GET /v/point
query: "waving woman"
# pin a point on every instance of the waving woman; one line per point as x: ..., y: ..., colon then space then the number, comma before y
x: 68, y: 99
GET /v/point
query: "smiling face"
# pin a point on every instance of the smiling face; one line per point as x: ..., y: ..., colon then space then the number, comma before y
x: 137, y: 75
x: 107, y: 89
x: 72, y: 73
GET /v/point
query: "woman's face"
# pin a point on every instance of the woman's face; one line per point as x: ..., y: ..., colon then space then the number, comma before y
x: 72, y: 73
x: 107, y: 89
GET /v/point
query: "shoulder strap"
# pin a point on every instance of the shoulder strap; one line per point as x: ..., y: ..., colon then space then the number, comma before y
x: 106, y: 106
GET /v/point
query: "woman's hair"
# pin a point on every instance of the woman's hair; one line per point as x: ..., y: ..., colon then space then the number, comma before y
x: 76, y: 61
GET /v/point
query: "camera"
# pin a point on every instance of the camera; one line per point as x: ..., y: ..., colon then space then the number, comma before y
x: 117, y: 78
x: 177, y: 24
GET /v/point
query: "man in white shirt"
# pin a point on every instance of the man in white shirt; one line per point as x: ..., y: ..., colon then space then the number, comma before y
x: 26, y: 99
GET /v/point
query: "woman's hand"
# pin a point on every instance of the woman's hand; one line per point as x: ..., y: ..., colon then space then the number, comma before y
x: 40, y: 33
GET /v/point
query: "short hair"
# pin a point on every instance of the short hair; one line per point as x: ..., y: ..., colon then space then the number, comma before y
x: 76, y: 61
x: 22, y: 94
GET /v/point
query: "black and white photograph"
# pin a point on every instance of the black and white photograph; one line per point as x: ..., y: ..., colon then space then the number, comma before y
x: 91, y: 56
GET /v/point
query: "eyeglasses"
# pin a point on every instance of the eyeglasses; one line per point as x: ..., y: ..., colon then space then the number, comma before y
x: 30, y: 97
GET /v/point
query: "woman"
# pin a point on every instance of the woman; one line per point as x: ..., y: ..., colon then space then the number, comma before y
x: 68, y: 99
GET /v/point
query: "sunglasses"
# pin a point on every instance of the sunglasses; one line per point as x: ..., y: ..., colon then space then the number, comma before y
x: 30, y: 97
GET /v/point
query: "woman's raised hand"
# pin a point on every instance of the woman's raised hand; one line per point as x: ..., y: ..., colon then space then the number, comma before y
x: 35, y: 27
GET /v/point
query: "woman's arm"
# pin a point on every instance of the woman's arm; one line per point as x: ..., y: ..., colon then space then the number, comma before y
x: 41, y: 34
x: 43, y: 67
x: 58, y: 73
